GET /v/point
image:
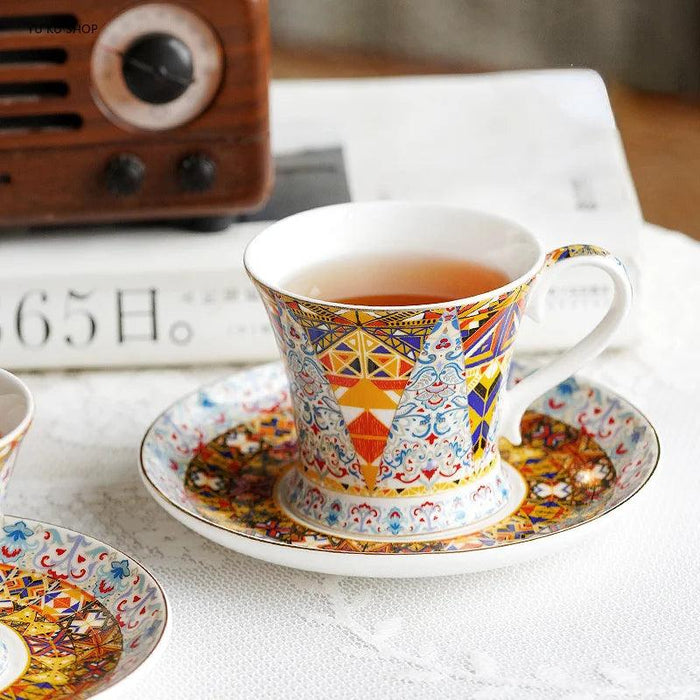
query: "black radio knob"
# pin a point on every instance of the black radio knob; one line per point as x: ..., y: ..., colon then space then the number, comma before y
x: 158, y: 68
x: 197, y: 173
x: 124, y: 174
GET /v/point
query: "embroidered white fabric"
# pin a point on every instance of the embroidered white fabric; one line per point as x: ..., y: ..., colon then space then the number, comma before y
x: 615, y: 617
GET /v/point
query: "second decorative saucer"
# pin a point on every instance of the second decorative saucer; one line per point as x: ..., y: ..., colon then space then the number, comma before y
x: 213, y: 458
x: 77, y: 617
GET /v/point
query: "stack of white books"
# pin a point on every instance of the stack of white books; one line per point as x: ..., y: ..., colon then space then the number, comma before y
x: 540, y: 147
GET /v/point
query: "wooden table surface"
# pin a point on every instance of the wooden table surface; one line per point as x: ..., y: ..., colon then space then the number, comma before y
x: 661, y: 133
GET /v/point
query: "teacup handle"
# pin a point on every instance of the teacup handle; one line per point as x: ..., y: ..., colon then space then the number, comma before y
x: 519, y: 397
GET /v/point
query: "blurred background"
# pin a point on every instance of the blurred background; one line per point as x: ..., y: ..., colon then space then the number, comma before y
x: 647, y: 51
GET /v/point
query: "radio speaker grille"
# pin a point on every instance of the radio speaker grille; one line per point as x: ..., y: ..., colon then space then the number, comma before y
x: 28, y: 101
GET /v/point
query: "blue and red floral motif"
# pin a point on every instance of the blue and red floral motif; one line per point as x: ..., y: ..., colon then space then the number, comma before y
x: 429, y: 438
x: 382, y: 518
x: 324, y: 444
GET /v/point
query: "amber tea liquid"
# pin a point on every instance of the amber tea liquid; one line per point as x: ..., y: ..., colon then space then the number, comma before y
x: 393, y: 280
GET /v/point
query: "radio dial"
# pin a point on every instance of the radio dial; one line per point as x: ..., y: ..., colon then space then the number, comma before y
x: 157, y: 68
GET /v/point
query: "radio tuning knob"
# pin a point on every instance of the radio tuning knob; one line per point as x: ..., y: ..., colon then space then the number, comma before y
x: 124, y: 174
x: 157, y: 68
x: 197, y: 173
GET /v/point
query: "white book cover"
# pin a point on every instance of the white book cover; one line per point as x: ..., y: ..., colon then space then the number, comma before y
x: 539, y: 147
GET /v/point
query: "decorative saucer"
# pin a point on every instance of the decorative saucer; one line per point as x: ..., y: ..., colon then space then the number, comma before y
x: 213, y: 458
x: 76, y: 616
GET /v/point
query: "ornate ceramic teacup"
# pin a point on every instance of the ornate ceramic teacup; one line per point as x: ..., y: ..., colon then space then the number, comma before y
x: 398, y: 409
x: 16, y: 412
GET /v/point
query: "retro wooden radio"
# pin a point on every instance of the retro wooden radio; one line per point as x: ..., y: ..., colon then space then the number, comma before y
x: 115, y: 110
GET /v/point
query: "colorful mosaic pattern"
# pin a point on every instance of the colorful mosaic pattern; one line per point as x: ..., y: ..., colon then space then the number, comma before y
x: 488, y: 328
x: 216, y: 455
x: 399, y: 379
x: 72, y: 639
x: 396, y: 404
x: 88, y: 615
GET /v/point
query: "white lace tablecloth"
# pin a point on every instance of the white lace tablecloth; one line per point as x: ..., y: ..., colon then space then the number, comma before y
x: 618, y: 616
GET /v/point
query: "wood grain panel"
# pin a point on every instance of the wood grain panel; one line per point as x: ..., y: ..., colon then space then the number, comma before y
x: 57, y: 176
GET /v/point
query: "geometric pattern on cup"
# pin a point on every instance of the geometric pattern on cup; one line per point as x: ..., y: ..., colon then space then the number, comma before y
x: 402, y: 331
x: 488, y: 328
x: 361, y: 364
x: 485, y: 381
